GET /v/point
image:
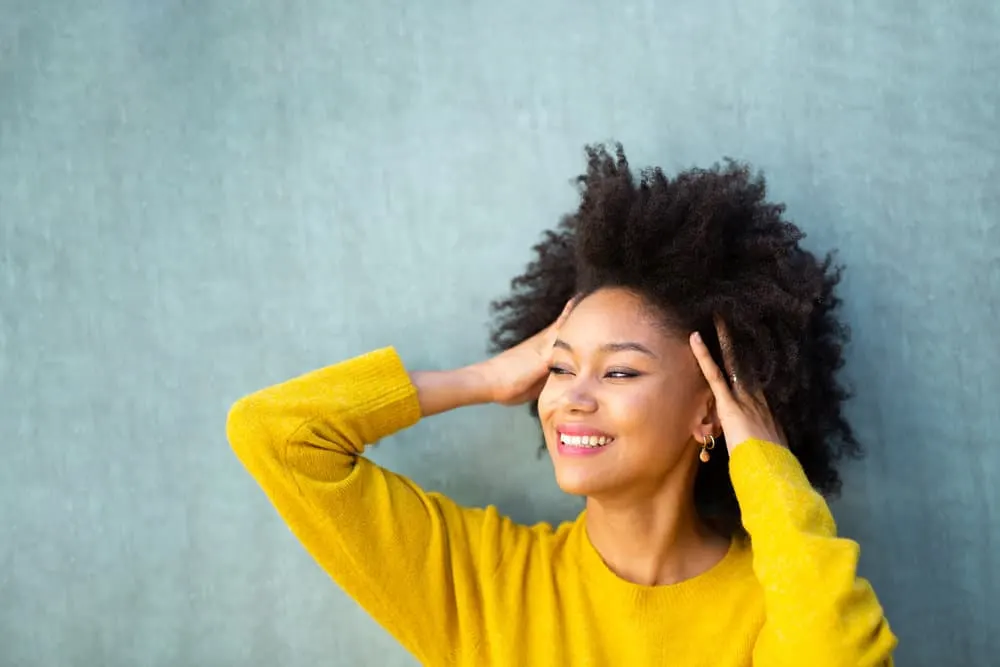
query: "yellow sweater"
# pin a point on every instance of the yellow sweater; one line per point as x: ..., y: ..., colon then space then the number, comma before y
x: 462, y: 586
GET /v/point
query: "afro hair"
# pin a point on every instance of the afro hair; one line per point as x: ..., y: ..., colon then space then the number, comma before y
x: 704, y: 244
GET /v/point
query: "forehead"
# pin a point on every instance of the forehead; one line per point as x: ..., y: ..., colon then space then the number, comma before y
x: 617, y: 315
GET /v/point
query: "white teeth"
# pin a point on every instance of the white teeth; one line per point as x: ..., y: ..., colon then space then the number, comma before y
x: 584, y: 440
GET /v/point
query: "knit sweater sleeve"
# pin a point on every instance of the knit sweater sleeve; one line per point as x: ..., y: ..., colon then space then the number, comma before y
x: 415, y: 561
x: 818, y: 611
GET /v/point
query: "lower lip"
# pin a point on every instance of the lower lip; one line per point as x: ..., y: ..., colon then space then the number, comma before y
x: 569, y: 450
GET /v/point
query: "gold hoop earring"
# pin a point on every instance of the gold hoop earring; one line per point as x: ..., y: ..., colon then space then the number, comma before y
x: 707, y: 445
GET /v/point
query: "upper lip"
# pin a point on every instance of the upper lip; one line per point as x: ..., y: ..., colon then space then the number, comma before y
x: 581, y: 429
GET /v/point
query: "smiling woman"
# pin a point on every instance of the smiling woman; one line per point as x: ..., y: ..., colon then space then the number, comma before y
x: 613, y: 368
x: 661, y: 318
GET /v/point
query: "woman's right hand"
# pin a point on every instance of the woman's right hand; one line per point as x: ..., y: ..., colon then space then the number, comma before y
x: 517, y: 375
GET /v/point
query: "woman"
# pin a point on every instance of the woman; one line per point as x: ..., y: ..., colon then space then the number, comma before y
x: 703, y: 541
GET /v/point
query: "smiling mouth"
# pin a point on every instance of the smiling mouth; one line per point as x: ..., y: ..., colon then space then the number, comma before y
x: 585, y: 441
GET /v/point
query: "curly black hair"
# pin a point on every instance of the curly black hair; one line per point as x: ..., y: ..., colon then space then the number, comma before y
x: 701, y: 245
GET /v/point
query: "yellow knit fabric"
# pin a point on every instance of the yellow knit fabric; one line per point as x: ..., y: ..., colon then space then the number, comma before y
x: 462, y: 586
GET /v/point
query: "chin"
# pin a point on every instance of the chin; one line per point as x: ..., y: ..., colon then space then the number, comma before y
x: 574, y: 483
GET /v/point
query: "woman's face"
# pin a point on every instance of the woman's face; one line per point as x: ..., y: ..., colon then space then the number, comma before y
x: 620, y: 379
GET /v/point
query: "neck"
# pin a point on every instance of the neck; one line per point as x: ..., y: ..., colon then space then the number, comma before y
x: 654, y: 540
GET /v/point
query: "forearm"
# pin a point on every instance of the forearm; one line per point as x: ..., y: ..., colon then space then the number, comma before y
x: 816, y: 605
x: 440, y: 391
x: 371, y: 530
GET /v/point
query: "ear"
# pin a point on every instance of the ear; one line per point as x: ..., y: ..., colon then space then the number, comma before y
x: 706, y: 419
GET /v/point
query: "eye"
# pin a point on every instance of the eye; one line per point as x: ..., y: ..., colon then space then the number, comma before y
x: 557, y: 370
x: 621, y: 373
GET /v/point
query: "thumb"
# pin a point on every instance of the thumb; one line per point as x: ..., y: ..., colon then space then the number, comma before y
x: 547, y: 337
x: 561, y: 320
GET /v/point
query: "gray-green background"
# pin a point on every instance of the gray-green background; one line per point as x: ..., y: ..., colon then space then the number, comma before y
x: 201, y: 198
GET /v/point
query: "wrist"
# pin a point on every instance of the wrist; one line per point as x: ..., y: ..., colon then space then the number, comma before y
x: 440, y: 391
x: 479, y: 382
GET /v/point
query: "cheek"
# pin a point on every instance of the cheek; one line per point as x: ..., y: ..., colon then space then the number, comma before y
x: 634, y: 413
x: 653, y: 418
x: 546, y: 401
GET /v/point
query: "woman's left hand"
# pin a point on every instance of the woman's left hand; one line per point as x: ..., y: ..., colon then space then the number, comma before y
x: 743, y: 416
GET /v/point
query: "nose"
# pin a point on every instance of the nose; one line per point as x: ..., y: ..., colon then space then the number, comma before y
x: 578, y: 397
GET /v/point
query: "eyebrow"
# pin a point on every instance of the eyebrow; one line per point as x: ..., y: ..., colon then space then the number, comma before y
x: 624, y: 346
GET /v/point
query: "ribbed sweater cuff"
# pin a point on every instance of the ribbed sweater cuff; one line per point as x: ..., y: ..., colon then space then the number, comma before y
x: 384, y: 399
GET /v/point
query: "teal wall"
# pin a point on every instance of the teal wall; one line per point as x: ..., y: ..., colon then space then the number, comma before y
x: 199, y: 199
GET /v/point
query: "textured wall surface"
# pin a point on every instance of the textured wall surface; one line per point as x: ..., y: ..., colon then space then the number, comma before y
x: 199, y: 199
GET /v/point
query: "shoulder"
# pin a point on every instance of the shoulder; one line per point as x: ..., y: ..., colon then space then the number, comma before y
x: 519, y: 546
x: 490, y: 528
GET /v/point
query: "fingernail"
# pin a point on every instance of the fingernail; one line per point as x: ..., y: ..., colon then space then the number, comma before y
x: 696, y: 337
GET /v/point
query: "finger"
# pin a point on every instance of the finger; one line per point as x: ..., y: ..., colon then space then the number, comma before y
x: 726, y: 343
x: 547, y: 337
x: 553, y: 328
x: 729, y: 358
x: 567, y: 309
x: 716, y: 380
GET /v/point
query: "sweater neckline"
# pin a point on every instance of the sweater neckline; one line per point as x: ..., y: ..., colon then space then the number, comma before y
x: 608, y: 581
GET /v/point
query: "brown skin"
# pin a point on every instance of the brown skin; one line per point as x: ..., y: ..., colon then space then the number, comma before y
x: 656, y: 403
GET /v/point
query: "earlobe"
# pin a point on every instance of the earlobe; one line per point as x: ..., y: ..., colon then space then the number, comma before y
x: 708, y: 422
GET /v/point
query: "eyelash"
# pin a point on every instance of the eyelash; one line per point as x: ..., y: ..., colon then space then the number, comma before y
x: 615, y: 373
